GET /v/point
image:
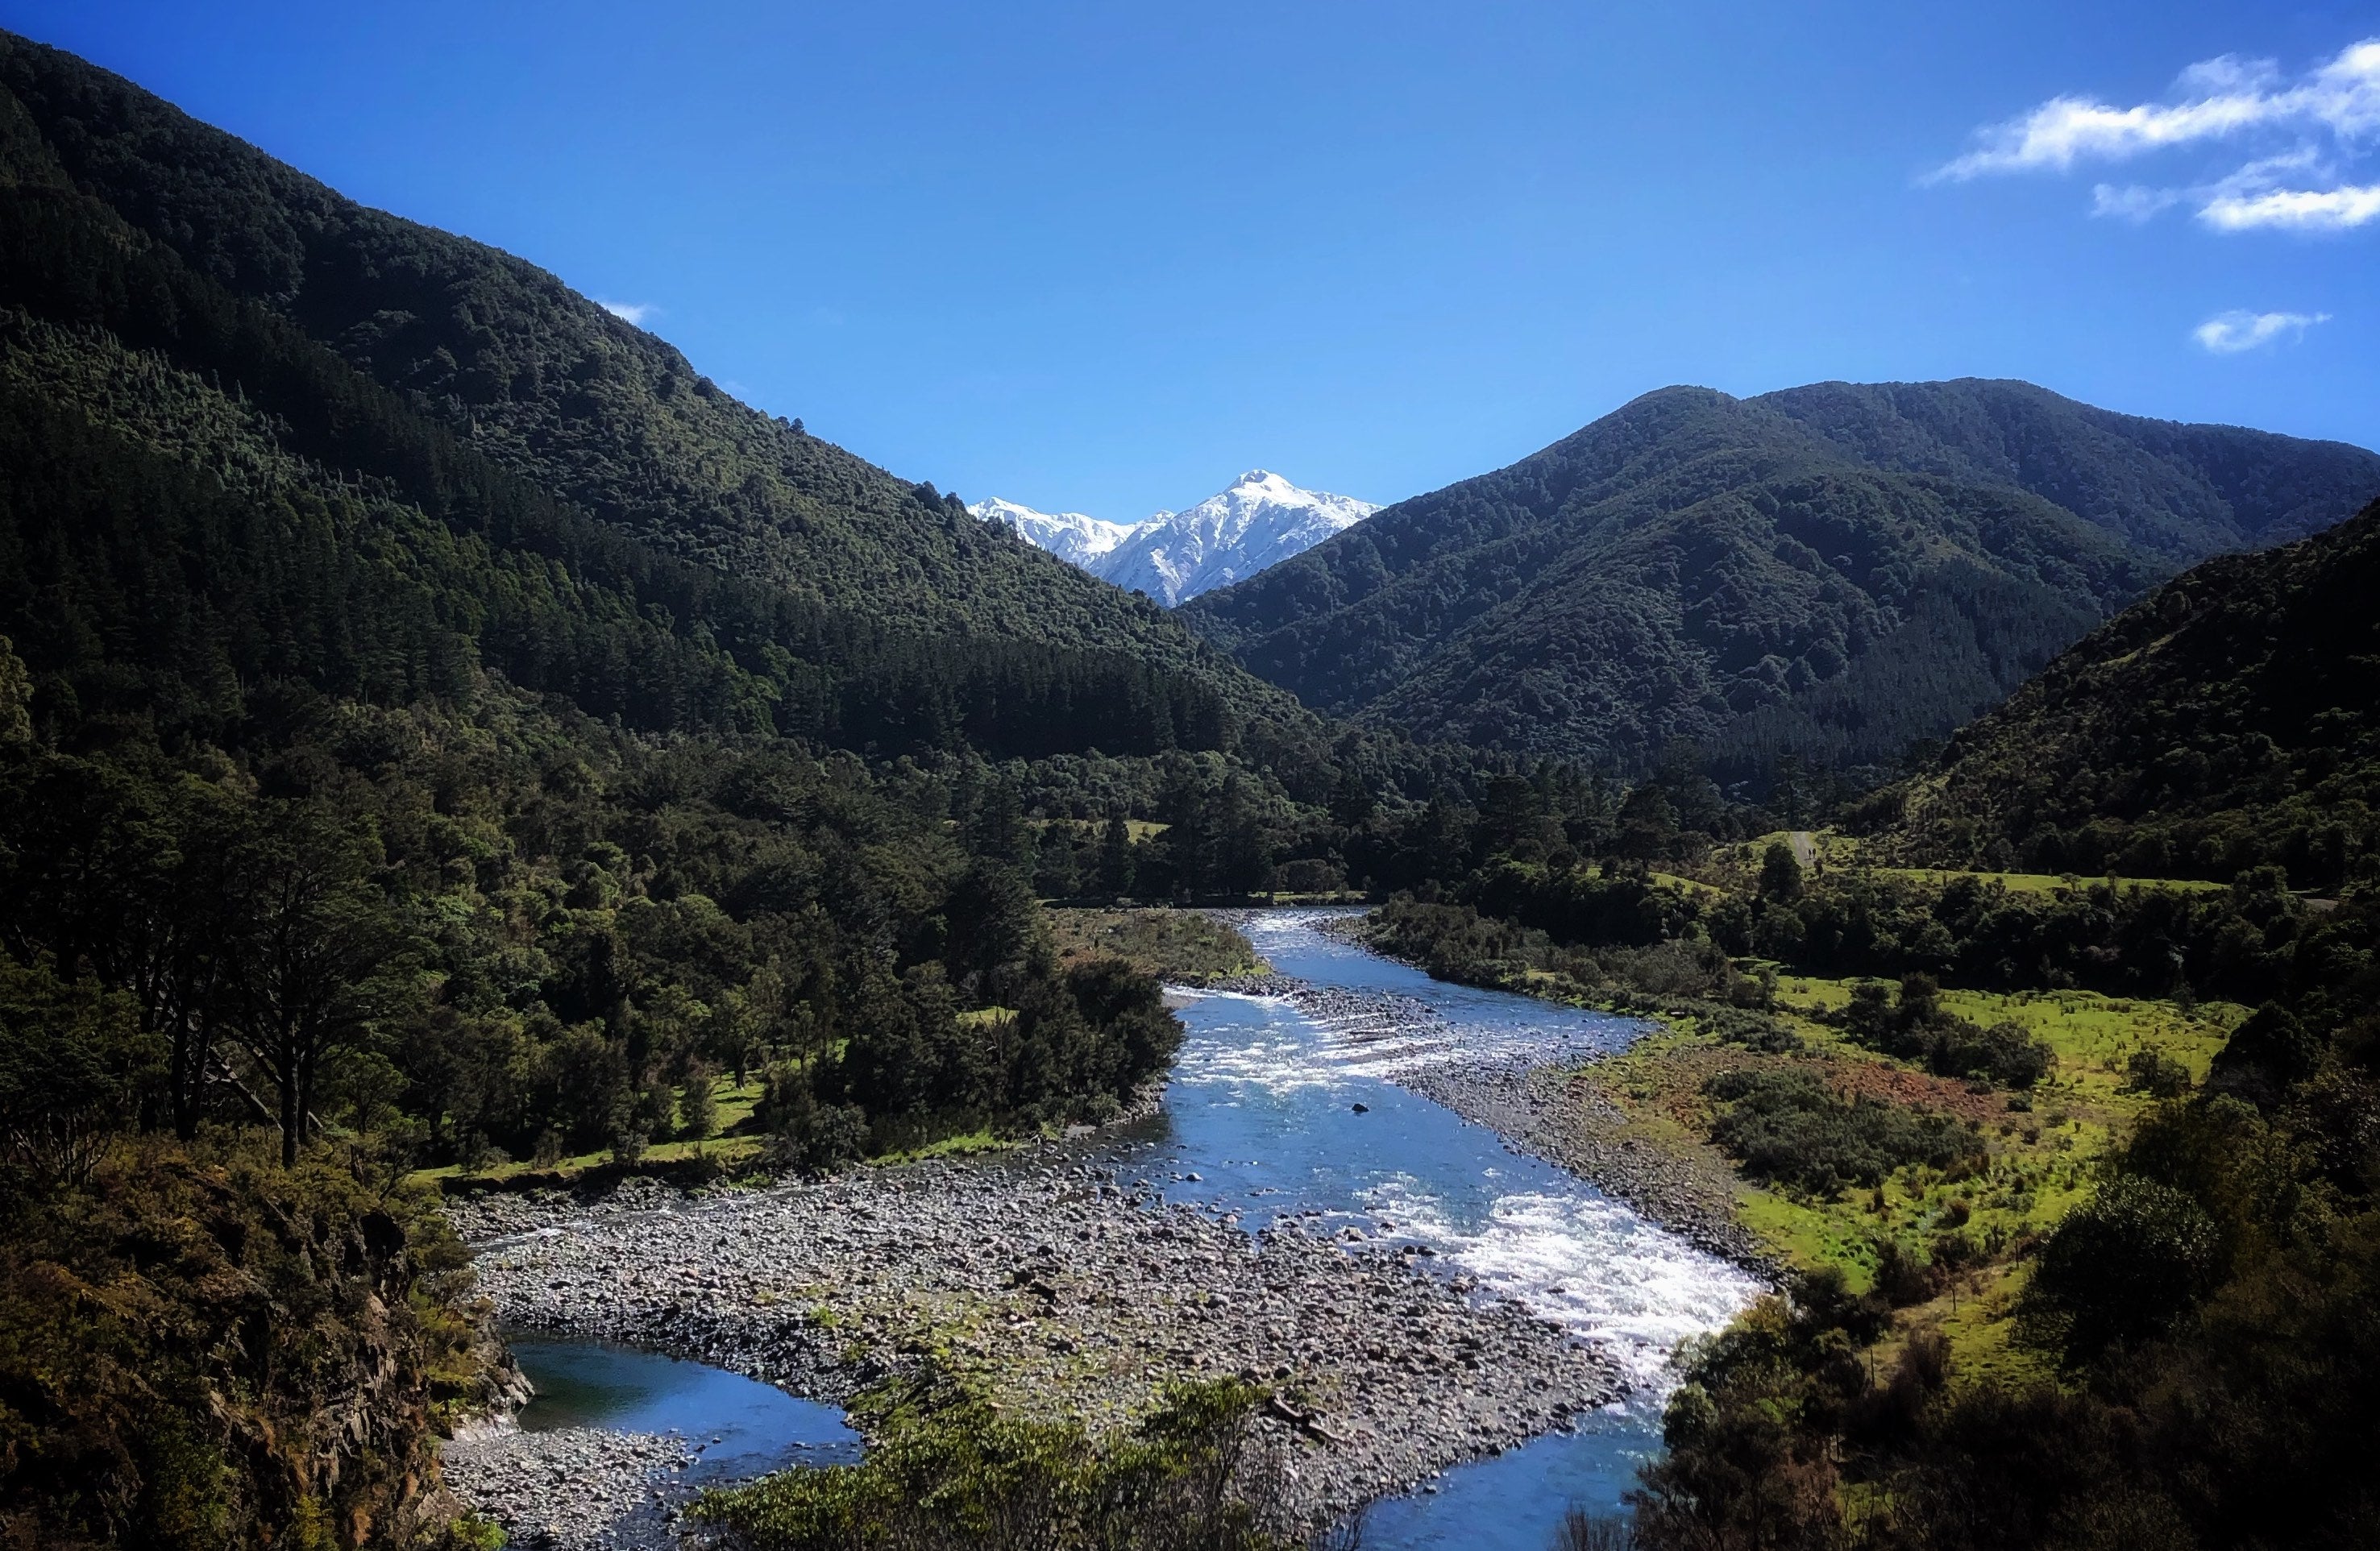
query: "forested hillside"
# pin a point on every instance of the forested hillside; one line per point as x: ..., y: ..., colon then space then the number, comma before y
x: 519, y: 375
x: 2130, y: 1301
x: 1829, y: 573
x: 2228, y: 720
x: 406, y: 765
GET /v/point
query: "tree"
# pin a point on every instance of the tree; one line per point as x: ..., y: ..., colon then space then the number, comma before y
x: 1239, y: 859
x: 2121, y: 1267
x: 1000, y: 830
x: 125, y: 879
x: 1115, y: 857
x: 16, y: 697
x: 1649, y: 825
x: 1780, y: 874
x: 1351, y: 801
x: 1054, y: 875
x: 73, y: 1060
x: 310, y: 955
x: 698, y: 1111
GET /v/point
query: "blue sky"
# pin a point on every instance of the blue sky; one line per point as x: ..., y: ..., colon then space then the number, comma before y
x: 1105, y: 257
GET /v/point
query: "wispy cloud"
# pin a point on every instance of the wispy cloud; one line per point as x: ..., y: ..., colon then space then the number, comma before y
x: 2295, y: 210
x: 2322, y: 120
x: 634, y: 312
x: 2132, y: 202
x: 2230, y: 333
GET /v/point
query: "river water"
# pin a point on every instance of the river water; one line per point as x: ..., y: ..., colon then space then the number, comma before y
x: 737, y: 1427
x: 1263, y: 1110
x: 1272, y: 1115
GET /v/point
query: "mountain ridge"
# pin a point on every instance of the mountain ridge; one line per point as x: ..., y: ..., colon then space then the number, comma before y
x: 1077, y: 537
x: 546, y: 384
x: 1727, y: 572
x: 2224, y: 722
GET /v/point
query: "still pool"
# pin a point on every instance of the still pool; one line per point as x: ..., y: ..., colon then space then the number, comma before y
x: 740, y: 1426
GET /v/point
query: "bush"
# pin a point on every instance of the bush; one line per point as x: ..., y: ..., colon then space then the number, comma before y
x: 1902, y: 1276
x: 949, y: 1469
x: 2121, y: 1269
x: 1917, y: 1029
x: 1582, y: 1530
x: 806, y: 1134
x: 697, y: 1109
x: 200, y: 1349
x: 1786, y: 1127
x: 2006, y: 1054
x: 2153, y: 1075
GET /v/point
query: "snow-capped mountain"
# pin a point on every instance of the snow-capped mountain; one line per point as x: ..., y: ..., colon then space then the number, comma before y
x: 1261, y: 520
x: 1068, y: 535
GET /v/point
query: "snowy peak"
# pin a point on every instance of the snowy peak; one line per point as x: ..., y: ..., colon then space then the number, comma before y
x: 1261, y: 520
x: 1070, y: 535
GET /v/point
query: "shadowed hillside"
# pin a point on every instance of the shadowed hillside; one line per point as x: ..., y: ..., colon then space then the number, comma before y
x: 1829, y: 572
x: 129, y: 216
x: 2225, y: 721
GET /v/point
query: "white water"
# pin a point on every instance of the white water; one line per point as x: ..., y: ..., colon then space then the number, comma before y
x: 1262, y: 1110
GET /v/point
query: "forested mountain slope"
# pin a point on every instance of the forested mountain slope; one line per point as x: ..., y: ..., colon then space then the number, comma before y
x: 398, y: 770
x: 2229, y: 719
x: 1829, y: 572
x: 529, y: 376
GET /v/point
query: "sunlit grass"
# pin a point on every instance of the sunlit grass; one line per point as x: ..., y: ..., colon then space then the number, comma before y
x: 2042, y: 1145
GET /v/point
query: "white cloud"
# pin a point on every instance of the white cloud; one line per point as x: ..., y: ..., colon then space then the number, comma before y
x: 2132, y: 202
x: 2325, y: 118
x: 2065, y: 130
x: 634, y: 312
x: 2229, y: 334
x: 2230, y: 73
x: 2295, y: 210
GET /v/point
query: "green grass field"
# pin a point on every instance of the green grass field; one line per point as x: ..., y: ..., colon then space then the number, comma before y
x: 2041, y: 1145
x: 1835, y: 851
x: 734, y: 1109
x: 2048, y: 883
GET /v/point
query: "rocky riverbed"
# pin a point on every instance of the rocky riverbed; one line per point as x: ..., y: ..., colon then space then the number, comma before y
x: 1066, y: 1290
x: 574, y: 1488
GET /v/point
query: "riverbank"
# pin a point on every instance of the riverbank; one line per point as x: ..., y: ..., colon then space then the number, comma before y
x: 1062, y: 1289
x: 1568, y: 1118
x: 1639, y: 1123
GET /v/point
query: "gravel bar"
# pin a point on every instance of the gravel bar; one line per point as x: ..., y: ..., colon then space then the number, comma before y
x: 1065, y: 1292
x: 574, y: 1488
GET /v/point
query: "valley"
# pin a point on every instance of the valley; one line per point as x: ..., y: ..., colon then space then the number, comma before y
x: 583, y: 967
x: 1424, y: 1296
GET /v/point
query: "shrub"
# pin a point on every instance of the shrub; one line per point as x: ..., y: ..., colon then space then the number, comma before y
x: 697, y: 1110
x: 1917, y: 1029
x: 806, y: 1134
x: 1786, y: 1127
x: 2121, y: 1269
x: 2153, y: 1075
x: 2004, y: 1054
x: 950, y: 1469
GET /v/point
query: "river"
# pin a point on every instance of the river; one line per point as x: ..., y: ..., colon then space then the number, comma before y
x: 1272, y: 1114
x: 1263, y: 1109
